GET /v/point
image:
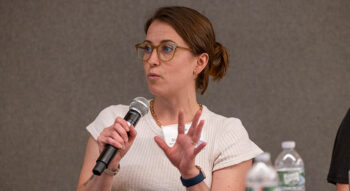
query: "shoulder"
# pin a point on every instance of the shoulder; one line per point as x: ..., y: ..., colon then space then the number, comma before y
x: 226, y: 130
x: 114, y: 110
x: 229, y: 141
x: 106, y: 118
x: 223, y: 122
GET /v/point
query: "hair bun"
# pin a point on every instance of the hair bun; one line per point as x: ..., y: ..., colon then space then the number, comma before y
x: 219, y: 63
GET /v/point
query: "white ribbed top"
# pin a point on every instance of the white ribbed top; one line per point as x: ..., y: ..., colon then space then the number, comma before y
x: 145, y: 166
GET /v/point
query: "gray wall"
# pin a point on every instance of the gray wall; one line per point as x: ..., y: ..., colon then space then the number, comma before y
x: 62, y: 62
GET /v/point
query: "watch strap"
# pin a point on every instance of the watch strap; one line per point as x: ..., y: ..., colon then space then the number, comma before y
x: 195, y: 180
x: 112, y: 172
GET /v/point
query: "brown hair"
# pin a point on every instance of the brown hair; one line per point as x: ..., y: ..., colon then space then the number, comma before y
x: 197, y: 31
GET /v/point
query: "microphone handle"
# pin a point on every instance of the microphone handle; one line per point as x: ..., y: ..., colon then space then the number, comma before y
x: 132, y: 117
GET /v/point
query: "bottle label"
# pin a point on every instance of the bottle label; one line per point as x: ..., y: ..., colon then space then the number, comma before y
x: 291, y: 178
x: 272, y: 188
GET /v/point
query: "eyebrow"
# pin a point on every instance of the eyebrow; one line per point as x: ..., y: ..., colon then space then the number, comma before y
x: 163, y: 41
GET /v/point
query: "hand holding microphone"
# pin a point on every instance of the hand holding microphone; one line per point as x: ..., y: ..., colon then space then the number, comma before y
x: 116, y: 140
x: 119, y: 135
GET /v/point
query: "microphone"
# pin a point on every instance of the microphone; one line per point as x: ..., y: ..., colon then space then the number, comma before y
x: 137, y: 109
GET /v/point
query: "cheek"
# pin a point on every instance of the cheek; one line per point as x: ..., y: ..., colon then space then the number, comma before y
x: 186, y: 67
x: 181, y: 75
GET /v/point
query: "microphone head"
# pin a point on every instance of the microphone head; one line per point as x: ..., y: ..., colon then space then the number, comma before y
x: 141, y: 105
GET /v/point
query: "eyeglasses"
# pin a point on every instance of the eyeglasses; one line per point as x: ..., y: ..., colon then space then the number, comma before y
x: 165, y: 50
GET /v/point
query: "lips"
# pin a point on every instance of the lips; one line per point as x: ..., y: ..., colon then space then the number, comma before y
x: 153, y: 76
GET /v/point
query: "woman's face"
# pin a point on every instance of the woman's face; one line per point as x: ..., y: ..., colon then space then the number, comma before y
x: 173, y: 76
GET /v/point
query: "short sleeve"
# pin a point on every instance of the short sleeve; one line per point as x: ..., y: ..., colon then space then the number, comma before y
x: 105, y: 119
x: 340, y: 165
x: 232, y: 145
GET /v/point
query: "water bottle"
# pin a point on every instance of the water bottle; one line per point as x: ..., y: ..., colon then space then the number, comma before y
x: 262, y: 176
x: 290, y: 168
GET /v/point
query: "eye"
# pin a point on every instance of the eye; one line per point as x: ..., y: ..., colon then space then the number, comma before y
x: 148, y: 48
x: 167, y: 48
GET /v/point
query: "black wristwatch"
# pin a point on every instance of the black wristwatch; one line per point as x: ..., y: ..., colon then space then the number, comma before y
x: 195, y: 180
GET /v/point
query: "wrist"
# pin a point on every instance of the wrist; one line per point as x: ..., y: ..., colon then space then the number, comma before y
x: 114, y: 164
x: 194, y: 171
x: 191, y: 181
x: 112, y: 171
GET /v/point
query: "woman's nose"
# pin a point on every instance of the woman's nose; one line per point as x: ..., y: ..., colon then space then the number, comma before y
x: 153, y: 59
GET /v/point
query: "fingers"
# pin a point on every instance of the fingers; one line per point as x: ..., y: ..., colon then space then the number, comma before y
x: 199, y: 148
x: 117, y: 134
x: 181, y: 127
x: 198, y: 131
x: 132, y: 134
x: 104, y: 140
x: 161, y: 143
x: 194, y: 122
x: 123, y: 123
x: 120, y: 130
x: 117, y: 143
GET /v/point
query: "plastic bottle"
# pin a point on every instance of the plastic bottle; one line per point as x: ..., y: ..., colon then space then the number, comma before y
x: 262, y: 176
x: 290, y: 168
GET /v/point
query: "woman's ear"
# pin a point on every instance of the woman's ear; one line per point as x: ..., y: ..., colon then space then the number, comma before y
x: 202, y: 62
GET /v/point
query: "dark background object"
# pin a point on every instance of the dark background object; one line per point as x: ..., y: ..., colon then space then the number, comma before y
x: 62, y: 62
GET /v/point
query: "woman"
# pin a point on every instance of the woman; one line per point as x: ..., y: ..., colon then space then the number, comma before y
x: 179, y: 54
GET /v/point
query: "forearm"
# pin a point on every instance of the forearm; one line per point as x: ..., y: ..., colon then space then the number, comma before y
x: 342, y: 187
x: 97, y: 183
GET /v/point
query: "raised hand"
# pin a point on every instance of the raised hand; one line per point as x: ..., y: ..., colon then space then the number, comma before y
x: 182, y: 154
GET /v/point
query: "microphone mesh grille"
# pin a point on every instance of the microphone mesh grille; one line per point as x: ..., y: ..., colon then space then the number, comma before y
x: 140, y: 104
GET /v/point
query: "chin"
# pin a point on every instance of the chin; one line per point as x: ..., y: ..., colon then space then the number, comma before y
x: 158, y: 91
x: 153, y: 89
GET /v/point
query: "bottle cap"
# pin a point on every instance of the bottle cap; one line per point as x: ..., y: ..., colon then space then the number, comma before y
x: 264, y: 157
x: 288, y: 144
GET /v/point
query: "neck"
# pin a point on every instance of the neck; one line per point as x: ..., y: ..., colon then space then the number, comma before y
x: 167, y: 108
